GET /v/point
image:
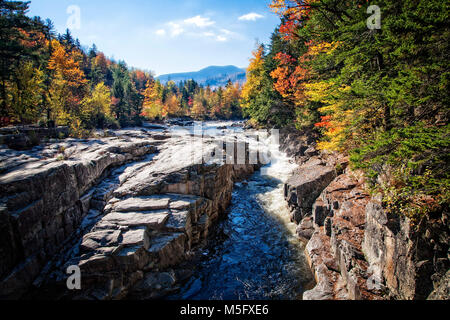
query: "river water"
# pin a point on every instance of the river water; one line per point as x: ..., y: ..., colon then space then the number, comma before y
x: 255, y: 254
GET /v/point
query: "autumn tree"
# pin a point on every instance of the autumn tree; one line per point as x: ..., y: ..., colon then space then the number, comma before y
x: 200, y: 105
x: 253, y: 86
x: 380, y: 93
x: 153, y: 107
x: 172, y: 106
x: 68, y: 87
x: 22, y: 41
x: 96, y: 107
x: 26, y: 93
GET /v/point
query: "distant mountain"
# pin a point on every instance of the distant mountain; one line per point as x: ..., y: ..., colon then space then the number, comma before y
x: 213, y: 76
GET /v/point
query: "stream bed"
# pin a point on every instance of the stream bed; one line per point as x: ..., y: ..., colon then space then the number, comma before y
x: 255, y: 253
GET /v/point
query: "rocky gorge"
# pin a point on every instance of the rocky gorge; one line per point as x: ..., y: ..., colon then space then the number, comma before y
x: 134, y: 208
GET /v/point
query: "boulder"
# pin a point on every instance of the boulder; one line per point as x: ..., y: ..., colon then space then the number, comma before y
x: 303, y: 188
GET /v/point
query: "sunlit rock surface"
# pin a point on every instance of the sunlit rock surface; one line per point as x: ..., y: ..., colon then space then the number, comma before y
x: 118, y: 207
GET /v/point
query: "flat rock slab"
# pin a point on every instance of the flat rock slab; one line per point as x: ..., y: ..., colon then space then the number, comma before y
x: 152, y: 220
x: 181, y: 204
x: 142, y: 204
x: 136, y: 237
x: 178, y: 221
x: 162, y: 241
x: 307, y: 184
x: 99, y: 239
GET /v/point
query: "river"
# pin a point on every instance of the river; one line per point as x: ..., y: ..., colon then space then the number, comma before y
x: 255, y: 253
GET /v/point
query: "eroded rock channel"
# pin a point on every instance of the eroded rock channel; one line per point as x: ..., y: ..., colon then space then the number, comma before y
x: 129, y: 210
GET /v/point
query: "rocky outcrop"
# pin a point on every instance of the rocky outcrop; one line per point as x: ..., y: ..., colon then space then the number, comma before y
x: 44, y: 200
x: 355, y: 249
x: 303, y: 188
x: 339, y: 222
x: 297, y: 144
x: 126, y: 210
x: 412, y: 259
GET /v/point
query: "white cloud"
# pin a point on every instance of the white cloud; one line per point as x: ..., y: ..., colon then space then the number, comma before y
x: 189, y: 28
x: 199, y: 21
x: 251, y: 17
x: 176, y: 29
x: 160, y: 32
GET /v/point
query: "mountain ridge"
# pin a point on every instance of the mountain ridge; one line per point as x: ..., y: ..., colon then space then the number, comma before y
x: 213, y: 76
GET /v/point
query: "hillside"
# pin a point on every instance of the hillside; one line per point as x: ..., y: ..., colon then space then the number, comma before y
x: 213, y: 76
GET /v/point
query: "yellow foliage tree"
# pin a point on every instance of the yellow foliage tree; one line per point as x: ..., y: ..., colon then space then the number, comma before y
x: 97, y: 105
x: 26, y: 92
x: 152, y: 107
x: 336, y: 118
x: 172, y: 106
x: 199, y: 108
x: 255, y: 75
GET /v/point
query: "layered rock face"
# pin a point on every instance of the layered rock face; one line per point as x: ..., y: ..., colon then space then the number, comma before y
x: 335, y: 248
x: 411, y: 259
x: 354, y: 248
x: 123, y: 209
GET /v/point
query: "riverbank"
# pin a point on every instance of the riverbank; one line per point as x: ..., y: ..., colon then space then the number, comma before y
x: 355, y: 249
x: 123, y: 209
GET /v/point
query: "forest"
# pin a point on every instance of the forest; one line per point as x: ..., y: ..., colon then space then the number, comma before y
x: 51, y: 79
x: 379, y: 95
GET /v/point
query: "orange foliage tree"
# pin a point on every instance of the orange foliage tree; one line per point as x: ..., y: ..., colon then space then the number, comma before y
x: 68, y: 87
x: 293, y: 13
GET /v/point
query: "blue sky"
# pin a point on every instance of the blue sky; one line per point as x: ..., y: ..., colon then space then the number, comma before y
x: 166, y: 36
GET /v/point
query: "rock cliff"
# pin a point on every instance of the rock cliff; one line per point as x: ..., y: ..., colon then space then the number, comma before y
x: 124, y: 209
x: 355, y: 249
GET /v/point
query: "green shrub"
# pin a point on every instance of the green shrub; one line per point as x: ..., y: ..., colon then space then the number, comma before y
x: 415, y: 161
